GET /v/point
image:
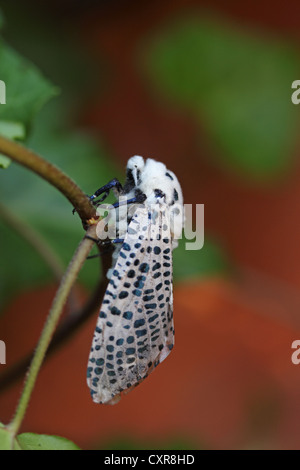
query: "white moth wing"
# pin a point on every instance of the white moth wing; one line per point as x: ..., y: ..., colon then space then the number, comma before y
x: 135, y: 331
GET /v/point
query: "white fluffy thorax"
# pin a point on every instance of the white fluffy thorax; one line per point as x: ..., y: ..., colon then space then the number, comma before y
x: 160, y: 186
x: 151, y: 175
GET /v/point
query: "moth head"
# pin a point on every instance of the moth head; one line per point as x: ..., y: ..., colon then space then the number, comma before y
x: 135, y: 166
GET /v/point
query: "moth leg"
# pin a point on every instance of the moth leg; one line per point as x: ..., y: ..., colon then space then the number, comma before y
x: 115, y: 183
x: 96, y: 240
x: 108, y: 250
x: 95, y: 203
x: 107, y: 243
x: 140, y: 198
x: 113, y: 241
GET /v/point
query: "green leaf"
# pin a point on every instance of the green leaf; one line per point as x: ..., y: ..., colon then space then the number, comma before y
x: 5, y: 438
x: 209, y: 261
x: 4, y: 161
x: 26, y: 89
x: 237, y: 84
x: 11, y: 130
x: 31, y: 441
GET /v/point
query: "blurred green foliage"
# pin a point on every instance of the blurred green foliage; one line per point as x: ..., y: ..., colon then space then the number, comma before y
x: 238, y: 86
x: 26, y: 89
x: 26, y: 92
x: 175, y: 443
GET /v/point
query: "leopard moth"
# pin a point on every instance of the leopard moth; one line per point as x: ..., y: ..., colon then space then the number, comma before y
x: 135, y: 330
